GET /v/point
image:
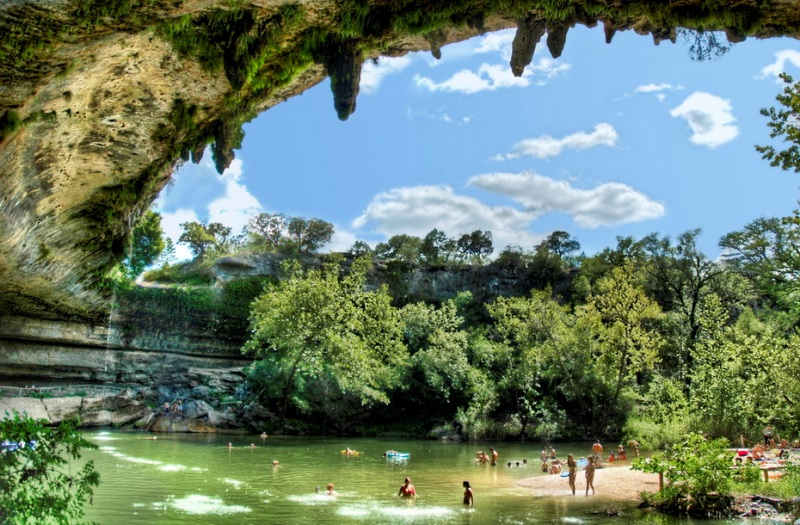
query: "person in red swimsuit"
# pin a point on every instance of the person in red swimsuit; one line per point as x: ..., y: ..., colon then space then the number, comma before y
x: 407, y: 489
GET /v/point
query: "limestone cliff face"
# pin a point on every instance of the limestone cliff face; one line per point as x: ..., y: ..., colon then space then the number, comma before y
x: 99, y: 99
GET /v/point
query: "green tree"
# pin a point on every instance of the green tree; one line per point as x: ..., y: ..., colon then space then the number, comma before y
x: 38, y: 483
x: 693, y: 470
x: 767, y: 252
x: 476, y: 246
x: 402, y: 247
x: 561, y: 243
x: 360, y: 248
x: 309, y: 235
x: 270, y: 228
x: 437, y: 247
x: 147, y: 243
x: 203, y: 238
x: 784, y: 123
x: 629, y: 340
x: 319, y: 322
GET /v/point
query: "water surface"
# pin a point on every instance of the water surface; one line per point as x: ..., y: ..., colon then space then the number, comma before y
x: 197, y: 479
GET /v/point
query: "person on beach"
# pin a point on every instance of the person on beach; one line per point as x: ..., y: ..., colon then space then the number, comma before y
x: 590, y: 475
x: 573, y: 471
x: 407, y: 489
x: 469, y: 497
x: 495, y: 455
x: 767, y: 435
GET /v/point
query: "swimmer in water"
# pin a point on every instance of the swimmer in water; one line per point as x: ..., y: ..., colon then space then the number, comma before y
x: 331, y: 492
x: 469, y: 497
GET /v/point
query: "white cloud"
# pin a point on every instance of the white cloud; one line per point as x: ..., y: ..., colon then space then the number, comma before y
x: 652, y: 88
x: 440, y: 115
x: 779, y: 66
x: 417, y: 210
x: 341, y: 241
x: 372, y: 74
x: 171, y: 225
x: 488, y: 78
x: 238, y: 205
x: 200, y: 194
x: 497, y: 42
x: 548, y: 69
x: 605, y: 205
x: 709, y: 117
x: 546, y: 147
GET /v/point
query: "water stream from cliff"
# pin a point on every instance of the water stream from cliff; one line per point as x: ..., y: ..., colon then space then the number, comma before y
x: 197, y: 479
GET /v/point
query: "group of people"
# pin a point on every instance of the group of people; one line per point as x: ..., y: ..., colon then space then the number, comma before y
x: 482, y: 457
x: 176, y: 408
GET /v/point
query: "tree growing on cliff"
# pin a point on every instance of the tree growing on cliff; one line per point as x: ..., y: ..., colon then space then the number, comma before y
x: 202, y: 238
x: 318, y: 323
x: 37, y: 480
x: 147, y: 243
x: 784, y: 123
x: 309, y: 235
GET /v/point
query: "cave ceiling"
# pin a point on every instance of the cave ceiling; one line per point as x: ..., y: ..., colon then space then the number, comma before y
x: 101, y: 99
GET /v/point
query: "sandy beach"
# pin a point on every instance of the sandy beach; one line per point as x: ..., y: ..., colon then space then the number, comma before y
x: 618, y: 482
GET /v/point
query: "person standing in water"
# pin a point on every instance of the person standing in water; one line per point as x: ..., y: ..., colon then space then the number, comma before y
x: 469, y: 497
x: 590, y: 475
x: 495, y: 455
x: 407, y: 490
x: 573, y: 472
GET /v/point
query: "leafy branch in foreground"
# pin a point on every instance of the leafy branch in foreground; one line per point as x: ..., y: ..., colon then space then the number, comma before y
x: 697, y: 474
x: 37, y: 481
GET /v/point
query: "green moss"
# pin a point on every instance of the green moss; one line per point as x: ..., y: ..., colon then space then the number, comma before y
x: 9, y: 124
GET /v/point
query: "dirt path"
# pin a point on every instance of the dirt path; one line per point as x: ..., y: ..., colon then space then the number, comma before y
x: 614, y: 482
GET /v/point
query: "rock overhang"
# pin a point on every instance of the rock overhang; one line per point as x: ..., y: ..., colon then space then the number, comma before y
x: 101, y: 99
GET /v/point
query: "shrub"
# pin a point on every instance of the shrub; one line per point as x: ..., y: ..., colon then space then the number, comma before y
x: 37, y: 481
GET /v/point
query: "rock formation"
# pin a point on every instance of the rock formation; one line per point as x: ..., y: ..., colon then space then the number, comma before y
x: 100, y: 99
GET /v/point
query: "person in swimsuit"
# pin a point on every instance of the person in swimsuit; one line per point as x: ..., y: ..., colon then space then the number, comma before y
x: 573, y: 472
x: 407, y: 489
x: 590, y: 475
x: 469, y: 497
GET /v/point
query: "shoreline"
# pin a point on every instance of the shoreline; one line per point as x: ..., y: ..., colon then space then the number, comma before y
x: 617, y: 482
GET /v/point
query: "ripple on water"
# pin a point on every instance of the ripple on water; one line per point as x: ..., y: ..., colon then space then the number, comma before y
x: 396, y: 513
x: 172, y: 468
x: 311, y: 499
x: 199, y: 504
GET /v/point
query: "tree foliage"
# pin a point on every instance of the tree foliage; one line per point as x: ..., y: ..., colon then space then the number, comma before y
x: 204, y: 238
x: 693, y: 470
x: 147, y: 243
x: 319, y: 322
x: 38, y: 482
x: 784, y: 123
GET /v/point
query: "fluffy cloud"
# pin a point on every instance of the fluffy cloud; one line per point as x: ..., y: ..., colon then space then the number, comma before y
x: 791, y: 56
x: 605, y: 205
x: 171, y: 225
x: 417, y: 210
x: 373, y: 73
x: 198, y: 194
x: 497, y: 42
x: 546, y: 147
x: 488, y: 78
x: 237, y: 205
x: 709, y: 117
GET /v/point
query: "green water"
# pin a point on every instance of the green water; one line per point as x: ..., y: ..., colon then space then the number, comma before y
x: 196, y: 479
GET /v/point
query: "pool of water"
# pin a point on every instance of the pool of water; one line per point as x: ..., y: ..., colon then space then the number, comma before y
x: 197, y: 479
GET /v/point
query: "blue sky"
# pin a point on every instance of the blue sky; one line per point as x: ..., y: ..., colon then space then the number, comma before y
x: 608, y: 140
